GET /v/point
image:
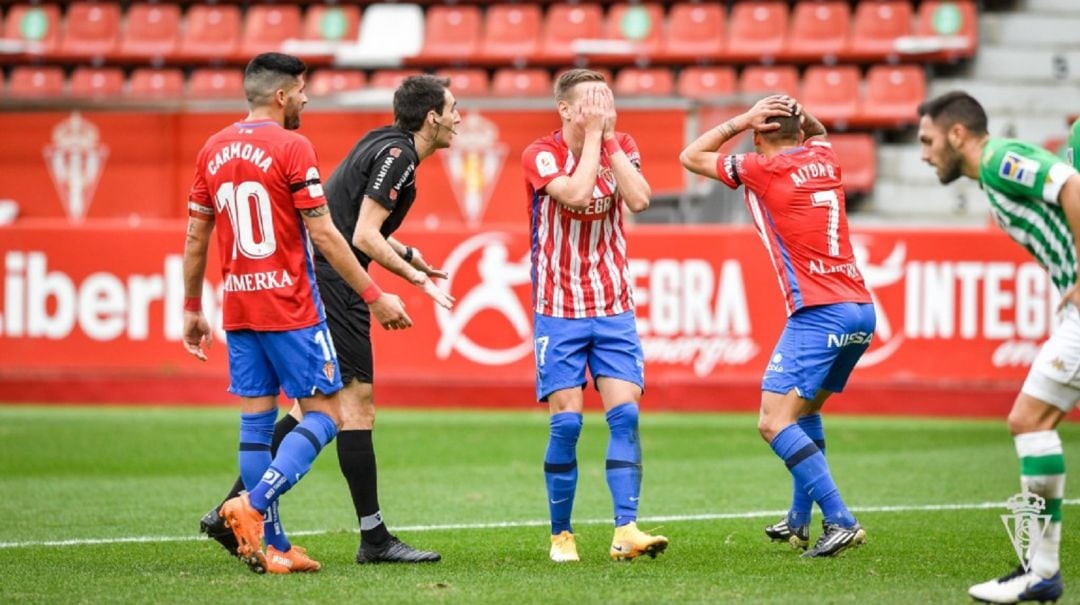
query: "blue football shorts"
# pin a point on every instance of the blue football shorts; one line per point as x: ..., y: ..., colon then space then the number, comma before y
x: 300, y: 362
x: 819, y: 348
x: 607, y: 346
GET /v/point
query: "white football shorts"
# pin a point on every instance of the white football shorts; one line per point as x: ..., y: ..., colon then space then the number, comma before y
x: 1055, y: 373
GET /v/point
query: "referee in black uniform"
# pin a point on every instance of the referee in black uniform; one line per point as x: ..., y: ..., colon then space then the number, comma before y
x: 369, y: 194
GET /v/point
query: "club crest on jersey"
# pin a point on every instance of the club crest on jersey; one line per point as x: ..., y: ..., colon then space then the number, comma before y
x: 328, y: 370
x: 474, y: 163
x: 394, y: 152
x: 608, y: 176
x: 75, y: 160
x: 1018, y: 169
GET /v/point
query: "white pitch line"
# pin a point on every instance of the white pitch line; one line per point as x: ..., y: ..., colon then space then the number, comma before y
x: 902, y: 508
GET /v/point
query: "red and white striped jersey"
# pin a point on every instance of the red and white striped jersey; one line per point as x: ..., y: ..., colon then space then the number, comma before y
x: 579, y: 266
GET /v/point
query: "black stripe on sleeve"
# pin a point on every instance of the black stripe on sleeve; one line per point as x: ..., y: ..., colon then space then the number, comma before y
x: 294, y: 187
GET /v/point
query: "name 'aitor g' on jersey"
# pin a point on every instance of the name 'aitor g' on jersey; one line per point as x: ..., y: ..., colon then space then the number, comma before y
x: 579, y: 266
x: 256, y: 176
x: 796, y: 200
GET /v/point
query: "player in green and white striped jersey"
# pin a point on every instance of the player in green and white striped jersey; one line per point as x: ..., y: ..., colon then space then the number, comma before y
x: 1035, y: 198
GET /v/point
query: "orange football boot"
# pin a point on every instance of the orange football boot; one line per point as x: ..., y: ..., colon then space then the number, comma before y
x: 294, y: 561
x: 246, y: 524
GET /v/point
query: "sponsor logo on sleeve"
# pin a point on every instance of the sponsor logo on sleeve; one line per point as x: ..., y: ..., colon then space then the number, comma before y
x: 545, y: 163
x: 1018, y: 169
x: 315, y: 188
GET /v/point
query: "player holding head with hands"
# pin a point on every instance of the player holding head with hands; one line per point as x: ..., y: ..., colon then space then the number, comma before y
x: 795, y: 195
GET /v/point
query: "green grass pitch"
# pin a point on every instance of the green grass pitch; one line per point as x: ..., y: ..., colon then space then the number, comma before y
x: 101, y: 504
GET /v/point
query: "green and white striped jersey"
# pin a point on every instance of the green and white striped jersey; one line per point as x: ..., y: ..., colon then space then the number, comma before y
x: 1072, y: 147
x: 1022, y: 182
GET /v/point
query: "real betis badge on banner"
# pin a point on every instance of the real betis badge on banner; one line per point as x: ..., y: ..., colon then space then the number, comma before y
x: 1026, y: 524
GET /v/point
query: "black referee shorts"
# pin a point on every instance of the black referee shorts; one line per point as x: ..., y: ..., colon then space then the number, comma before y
x: 349, y: 320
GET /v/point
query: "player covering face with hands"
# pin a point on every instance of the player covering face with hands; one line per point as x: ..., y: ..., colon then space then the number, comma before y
x: 795, y: 196
x: 580, y: 180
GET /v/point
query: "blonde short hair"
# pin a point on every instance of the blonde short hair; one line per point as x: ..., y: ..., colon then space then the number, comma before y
x: 572, y: 77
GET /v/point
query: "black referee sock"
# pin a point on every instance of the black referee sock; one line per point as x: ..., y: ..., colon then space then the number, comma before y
x: 356, y: 455
x: 282, y: 428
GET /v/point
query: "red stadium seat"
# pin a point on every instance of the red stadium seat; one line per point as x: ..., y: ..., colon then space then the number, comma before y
x: 858, y: 161
x: 266, y: 26
x: 878, y: 24
x: 212, y: 32
x: 335, y: 23
x: 451, y: 34
x: 153, y: 30
x: 467, y: 82
x: 91, y: 29
x: 216, y: 84
x: 390, y: 79
x: 703, y: 83
x: 695, y: 31
x: 948, y: 28
x: 758, y: 80
x: 511, y: 33
x: 37, y: 26
x: 641, y: 24
x: 521, y: 83
x: 97, y: 82
x: 36, y: 82
x: 758, y: 30
x: 569, y: 22
x: 831, y: 93
x: 330, y: 81
x: 651, y: 82
x: 149, y: 83
x: 893, y: 94
x: 819, y: 31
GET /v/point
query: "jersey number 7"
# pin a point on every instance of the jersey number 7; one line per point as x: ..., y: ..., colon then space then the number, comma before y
x: 832, y: 229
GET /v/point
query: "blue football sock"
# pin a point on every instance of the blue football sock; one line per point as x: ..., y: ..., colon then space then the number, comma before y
x: 801, y: 504
x: 256, y: 433
x: 273, y: 532
x: 294, y: 457
x: 560, y: 469
x: 624, y: 462
x: 808, y: 466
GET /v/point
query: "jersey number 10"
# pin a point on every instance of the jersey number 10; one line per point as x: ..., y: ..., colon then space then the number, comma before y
x: 247, y: 203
